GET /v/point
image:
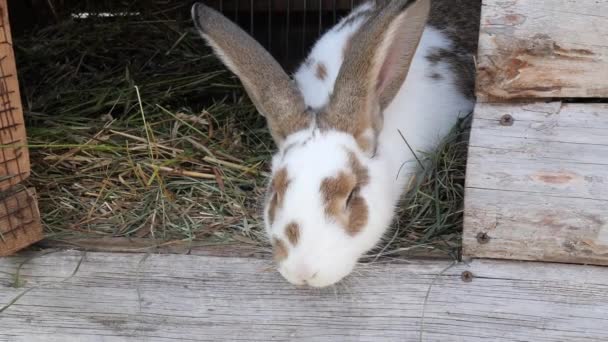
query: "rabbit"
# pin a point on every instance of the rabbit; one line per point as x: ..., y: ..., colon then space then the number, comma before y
x: 391, y: 70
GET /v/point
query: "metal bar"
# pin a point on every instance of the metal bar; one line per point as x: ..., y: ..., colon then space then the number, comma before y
x: 236, y: 11
x: 335, y: 10
x: 251, y: 10
x: 269, y: 25
x: 304, y: 27
x: 287, y: 36
x: 320, y: 17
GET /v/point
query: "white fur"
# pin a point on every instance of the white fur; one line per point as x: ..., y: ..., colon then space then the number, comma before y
x: 424, y: 110
x: 328, y: 50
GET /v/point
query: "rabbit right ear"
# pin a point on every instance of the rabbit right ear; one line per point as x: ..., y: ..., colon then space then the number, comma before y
x: 379, y: 58
x: 271, y: 90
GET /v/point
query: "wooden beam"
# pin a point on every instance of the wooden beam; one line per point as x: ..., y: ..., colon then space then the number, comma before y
x: 543, y: 48
x: 20, y: 224
x: 204, y: 248
x: 67, y: 296
x: 537, y: 183
x: 14, y: 155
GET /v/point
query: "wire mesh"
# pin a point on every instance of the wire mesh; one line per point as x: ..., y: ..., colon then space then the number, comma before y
x: 14, y: 165
x: 287, y: 28
x: 19, y: 217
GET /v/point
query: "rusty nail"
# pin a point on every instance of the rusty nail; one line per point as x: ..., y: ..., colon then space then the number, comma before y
x: 506, y: 120
x: 483, y: 238
x: 467, y: 276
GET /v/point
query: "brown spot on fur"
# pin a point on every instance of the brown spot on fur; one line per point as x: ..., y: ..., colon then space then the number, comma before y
x: 336, y: 191
x: 360, y: 171
x: 436, y: 76
x: 279, y: 250
x: 357, y: 218
x: 331, y: 118
x: 459, y: 20
x: 461, y: 64
x: 279, y: 185
x: 293, y: 233
x: 321, y: 73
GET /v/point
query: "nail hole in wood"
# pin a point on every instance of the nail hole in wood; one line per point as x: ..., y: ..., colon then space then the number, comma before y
x: 507, y: 120
x: 467, y: 276
x: 483, y: 238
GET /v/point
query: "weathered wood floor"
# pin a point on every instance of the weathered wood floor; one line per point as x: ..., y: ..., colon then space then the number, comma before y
x: 72, y: 296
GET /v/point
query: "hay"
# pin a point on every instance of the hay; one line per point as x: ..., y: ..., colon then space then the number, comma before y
x: 136, y: 130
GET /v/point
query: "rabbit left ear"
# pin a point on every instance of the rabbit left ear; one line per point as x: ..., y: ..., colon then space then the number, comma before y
x: 380, y: 55
x: 271, y: 90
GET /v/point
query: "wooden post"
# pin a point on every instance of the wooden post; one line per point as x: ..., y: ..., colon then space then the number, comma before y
x: 19, y: 217
x: 537, y: 176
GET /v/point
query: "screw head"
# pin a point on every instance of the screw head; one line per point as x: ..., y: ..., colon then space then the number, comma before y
x: 483, y: 238
x: 467, y: 276
x: 507, y: 120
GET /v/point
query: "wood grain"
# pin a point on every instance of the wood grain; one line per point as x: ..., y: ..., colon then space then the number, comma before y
x: 539, y: 187
x: 73, y: 296
x: 19, y: 221
x: 541, y: 49
x: 14, y: 156
x: 202, y: 248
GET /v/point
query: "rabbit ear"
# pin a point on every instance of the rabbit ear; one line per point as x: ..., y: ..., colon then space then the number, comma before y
x: 379, y: 58
x: 271, y: 90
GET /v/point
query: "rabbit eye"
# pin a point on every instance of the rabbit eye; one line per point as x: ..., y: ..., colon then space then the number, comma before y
x: 351, y: 196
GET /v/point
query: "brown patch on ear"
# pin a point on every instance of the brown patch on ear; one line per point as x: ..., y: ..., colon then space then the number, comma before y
x: 293, y: 233
x: 279, y: 250
x: 321, y: 73
x: 336, y: 191
x: 278, y: 185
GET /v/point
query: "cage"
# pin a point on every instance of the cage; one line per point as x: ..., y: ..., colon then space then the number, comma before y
x: 19, y: 217
x: 287, y: 28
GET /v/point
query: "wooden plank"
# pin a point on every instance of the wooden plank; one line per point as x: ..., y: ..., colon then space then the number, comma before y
x: 542, y: 49
x: 72, y: 296
x: 14, y: 156
x: 537, y: 187
x: 204, y: 248
x: 19, y: 221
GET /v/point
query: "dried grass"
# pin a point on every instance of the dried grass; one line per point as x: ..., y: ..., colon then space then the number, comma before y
x: 136, y: 130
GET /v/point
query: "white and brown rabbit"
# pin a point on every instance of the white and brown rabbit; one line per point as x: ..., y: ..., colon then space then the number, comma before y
x: 390, y: 68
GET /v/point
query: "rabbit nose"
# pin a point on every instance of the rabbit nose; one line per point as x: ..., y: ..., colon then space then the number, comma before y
x: 305, y: 273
